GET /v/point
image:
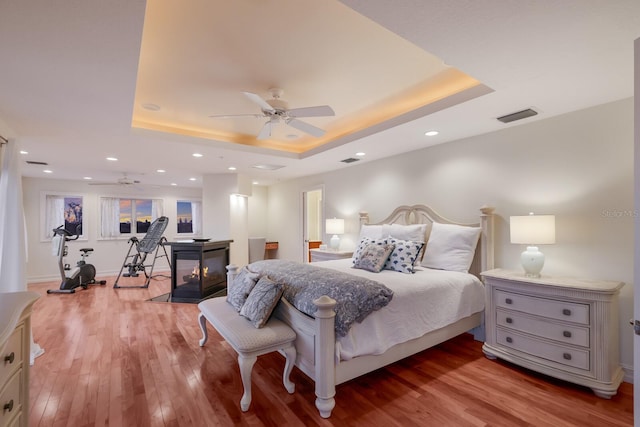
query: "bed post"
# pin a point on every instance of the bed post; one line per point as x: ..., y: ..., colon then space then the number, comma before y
x: 325, y: 343
x: 232, y: 272
x: 486, y: 223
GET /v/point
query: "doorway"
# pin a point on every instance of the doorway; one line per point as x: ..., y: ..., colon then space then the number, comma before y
x: 312, y: 214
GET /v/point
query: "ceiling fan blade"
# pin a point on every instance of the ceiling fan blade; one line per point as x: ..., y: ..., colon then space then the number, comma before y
x: 258, y: 100
x: 305, y: 127
x: 233, y: 116
x: 319, y: 111
x: 265, y: 132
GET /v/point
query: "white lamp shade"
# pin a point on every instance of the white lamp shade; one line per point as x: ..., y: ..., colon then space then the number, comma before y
x: 533, y: 229
x: 335, y: 226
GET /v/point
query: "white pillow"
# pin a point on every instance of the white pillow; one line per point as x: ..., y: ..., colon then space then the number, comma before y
x: 370, y: 231
x: 413, y: 232
x: 451, y: 247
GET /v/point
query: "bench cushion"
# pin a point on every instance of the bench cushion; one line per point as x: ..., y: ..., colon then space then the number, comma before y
x: 238, y: 330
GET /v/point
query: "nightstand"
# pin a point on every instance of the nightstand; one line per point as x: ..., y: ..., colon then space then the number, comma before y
x: 326, y: 255
x: 562, y: 327
x: 15, y: 340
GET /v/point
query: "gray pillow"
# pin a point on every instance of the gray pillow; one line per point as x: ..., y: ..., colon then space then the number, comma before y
x: 373, y: 257
x: 263, y: 298
x: 239, y: 289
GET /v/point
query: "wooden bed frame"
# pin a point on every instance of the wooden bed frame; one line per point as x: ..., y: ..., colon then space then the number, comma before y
x: 316, y: 340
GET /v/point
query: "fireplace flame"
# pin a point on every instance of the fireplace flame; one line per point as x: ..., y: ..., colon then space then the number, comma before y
x: 196, y: 271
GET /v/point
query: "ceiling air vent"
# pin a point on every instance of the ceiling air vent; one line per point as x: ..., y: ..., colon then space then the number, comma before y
x: 349, y: 160
x: 268, y: 167
x: 31, y: 162
x: 518, y: 116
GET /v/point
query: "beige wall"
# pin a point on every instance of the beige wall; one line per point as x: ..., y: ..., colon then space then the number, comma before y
x: 578, y: 166
x: 108, y: 255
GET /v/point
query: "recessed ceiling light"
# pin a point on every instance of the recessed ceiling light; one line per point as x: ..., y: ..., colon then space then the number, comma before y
x: 431, y: 133
x: 232, y: 168
x: 197, y: 155
x: 24, y: 152
x: 255, y: 182
x: 151, y: 107
x: 160, y: 170
x: 292, y: 136
x: 360, y: 153
x: 192, y: 179
x: 87, y: 178
x: 112, y: 159
x: 173, y: 183
x: 47, y: 171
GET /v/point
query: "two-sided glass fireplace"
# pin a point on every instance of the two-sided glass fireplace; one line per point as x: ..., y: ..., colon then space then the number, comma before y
x: 198, y: 270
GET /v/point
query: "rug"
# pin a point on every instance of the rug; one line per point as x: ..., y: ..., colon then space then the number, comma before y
x: 167, y: 297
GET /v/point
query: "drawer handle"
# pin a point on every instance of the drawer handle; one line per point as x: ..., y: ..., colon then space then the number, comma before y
x: 566, y: 334
x: 10, y: 358
x: 566, y: 356
x: 566, y: 312
x: 508, y: 301
x: 509, y: 340
x: 8, y: 407
x: 509, y: 320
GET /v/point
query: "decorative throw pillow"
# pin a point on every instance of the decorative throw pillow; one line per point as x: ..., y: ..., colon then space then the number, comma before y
x: 404, y: 255
x: 239, y: 289
x: 373, y: 257
x: 363, y: 244
x: 263, y: 298
x: 451, y: 247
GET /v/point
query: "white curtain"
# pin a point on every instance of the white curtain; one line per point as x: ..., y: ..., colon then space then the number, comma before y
x: 196, y: 218
x: 13, y: 256
x: 54, y: 214
x: 157, y: 208
x: 109, y: 217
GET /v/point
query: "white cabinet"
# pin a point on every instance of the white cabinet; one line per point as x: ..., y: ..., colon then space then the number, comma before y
x: 15, y: 329
x: 326, y: 255
x: 563, y: 327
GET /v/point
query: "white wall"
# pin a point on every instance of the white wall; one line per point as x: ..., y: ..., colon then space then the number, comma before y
x: 258, y: 218
x: 108, y: 255
x: 578, y: 166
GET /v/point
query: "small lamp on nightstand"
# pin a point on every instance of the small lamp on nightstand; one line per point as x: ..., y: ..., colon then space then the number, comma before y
x: 335, y: 226
x: 533, y: 230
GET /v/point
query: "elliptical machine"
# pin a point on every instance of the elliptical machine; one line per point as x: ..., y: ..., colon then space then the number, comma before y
x: 83, y: 274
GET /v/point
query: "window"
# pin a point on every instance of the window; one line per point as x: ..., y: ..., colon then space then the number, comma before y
x: 62, y: 210
x: 127, y: 216
x: 189, y: 217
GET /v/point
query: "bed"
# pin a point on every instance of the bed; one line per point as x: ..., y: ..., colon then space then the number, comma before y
x: 400, y: 329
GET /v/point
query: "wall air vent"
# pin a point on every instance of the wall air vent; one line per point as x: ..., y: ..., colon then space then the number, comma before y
x: 31, y: 162
x: 349, y: 160
x: 518, y: 116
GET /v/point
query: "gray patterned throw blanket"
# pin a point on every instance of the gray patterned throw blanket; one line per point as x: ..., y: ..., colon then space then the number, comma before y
x: 356, y: 297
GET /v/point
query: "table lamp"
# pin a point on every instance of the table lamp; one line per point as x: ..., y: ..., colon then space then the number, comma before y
x: 533, y: 230
x: 335, y: 226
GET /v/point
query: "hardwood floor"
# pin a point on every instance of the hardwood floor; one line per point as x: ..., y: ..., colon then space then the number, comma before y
x: 113, y: 358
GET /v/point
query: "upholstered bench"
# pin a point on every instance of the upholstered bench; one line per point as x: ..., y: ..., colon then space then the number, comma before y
x: 248, y: 341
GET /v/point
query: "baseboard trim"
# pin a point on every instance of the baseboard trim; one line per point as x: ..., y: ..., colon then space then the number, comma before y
x: 628, y: 373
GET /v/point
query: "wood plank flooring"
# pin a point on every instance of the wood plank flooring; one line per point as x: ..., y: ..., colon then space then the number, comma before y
x: 112, y: 358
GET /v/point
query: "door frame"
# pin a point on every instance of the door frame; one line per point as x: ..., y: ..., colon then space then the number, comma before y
x: 305, y: 225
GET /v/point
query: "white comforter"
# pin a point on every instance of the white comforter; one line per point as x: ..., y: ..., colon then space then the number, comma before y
x: 422, y: 302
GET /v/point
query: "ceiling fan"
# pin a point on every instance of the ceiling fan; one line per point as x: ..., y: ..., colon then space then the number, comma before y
x: 277, y: 109
x: 125, y: 181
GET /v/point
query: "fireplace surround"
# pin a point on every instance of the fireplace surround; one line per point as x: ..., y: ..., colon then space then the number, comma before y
x: 198, y: 269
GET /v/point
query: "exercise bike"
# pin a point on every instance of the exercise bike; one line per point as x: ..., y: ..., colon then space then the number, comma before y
x: 83, y: 274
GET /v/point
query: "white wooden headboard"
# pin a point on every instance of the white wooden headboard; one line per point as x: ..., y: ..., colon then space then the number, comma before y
x: 421, y: 214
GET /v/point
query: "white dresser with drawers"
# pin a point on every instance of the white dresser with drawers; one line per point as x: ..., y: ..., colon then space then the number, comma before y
x: 563, y: 327
x: 15, y: 340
